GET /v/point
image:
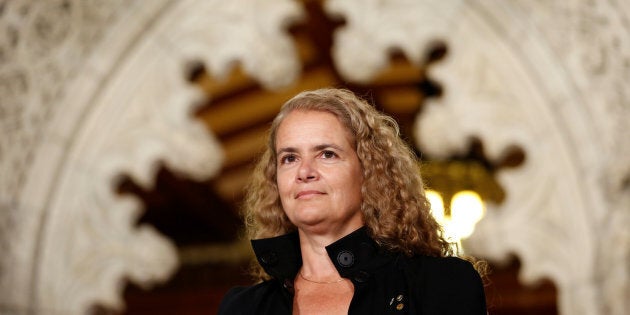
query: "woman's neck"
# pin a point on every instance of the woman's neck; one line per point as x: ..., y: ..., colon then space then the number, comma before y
x: 316, y: 263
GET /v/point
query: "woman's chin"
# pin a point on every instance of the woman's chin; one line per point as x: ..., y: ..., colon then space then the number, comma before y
x: 309, y: 221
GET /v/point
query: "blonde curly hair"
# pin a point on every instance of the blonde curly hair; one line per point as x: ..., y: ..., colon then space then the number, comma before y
x: 394, y: 206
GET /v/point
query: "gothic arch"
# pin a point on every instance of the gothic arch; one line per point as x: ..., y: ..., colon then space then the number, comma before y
x: 99, y: 90
x: 547, y: 77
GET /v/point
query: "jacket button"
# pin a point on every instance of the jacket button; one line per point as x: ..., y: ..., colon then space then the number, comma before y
x: 361, y: 276
x: 269, y: 258
x: 345, y: 258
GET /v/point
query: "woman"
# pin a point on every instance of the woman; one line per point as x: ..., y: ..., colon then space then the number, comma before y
x: 340, y: 223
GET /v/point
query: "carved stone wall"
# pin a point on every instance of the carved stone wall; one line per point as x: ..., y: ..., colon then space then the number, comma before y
x: 548, y: 77
x: 92, y: 89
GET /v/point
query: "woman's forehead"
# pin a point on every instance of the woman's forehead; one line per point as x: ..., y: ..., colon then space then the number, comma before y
x: 302, y: 126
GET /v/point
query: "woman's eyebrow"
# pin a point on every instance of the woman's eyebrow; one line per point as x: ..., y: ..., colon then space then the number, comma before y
x: 318, y: 147
x: 286, y: 149
x: 327, y: 145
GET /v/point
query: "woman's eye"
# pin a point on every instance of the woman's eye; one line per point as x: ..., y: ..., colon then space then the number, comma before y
x: 328, y: 154
x: 289, y: 158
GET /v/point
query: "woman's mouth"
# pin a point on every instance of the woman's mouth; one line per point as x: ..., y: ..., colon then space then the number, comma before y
x: 308, y: 194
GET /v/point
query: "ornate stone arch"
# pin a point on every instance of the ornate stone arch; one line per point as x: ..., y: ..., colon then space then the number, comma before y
x: 90, y: 89
x: 547, y: 76
x: 94, y: 89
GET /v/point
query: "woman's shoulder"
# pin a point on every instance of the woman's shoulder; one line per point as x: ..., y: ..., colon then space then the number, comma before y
x: 240, y: 299
x: 447, y: 281
x: 440, y: 264
x: 444, y: 273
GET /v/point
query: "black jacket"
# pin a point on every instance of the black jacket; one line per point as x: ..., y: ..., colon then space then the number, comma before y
x: 384, y: 282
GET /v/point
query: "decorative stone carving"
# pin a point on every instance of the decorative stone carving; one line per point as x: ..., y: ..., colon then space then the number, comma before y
x: 41, y: 46
x: 91, y: 90
x: 246, y: 31
x: 546, y: 76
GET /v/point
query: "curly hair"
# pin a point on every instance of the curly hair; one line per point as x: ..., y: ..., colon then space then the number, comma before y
x: 394, y: 206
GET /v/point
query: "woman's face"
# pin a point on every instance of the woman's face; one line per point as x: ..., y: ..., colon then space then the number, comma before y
x: 318, y: 173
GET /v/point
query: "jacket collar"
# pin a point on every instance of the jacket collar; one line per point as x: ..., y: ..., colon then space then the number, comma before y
x: 355, y: 256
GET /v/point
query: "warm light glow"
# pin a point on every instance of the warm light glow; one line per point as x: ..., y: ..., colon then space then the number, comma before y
x: 466, y: 210
x: 437, y: 205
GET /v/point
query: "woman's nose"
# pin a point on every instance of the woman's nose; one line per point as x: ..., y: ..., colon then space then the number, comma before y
x: 307, y: 171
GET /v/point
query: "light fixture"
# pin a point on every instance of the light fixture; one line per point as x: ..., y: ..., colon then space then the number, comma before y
x: 466, y: 209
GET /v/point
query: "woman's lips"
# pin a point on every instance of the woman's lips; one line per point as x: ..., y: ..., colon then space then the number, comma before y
x: 307, y: 194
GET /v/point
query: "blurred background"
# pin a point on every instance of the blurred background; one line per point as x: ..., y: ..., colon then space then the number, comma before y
x: 129, y: 130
